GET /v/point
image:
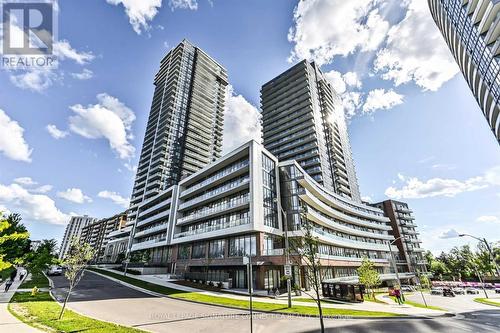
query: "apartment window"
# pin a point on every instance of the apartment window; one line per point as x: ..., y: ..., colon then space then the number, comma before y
x: 243, y: 246
x: 217, y: 248
x: 269, y: 191
x: 199, y: 251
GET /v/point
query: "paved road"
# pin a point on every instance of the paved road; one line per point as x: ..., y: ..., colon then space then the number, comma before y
x: 104, y: 299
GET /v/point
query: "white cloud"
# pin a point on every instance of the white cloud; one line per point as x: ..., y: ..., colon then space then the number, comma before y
x: 183, y: 4
x: 63, y: 50
x: 416, y: 189
x: 451, y: 233
x: 86, y: 74
x: 25, y: 181
x: 328, y: 28
x: 352, y: 79
x: 241, y: 122
x: 416, y: 51
x: 488, y: 218
x: 350, y: 100
x: 36, y: 79
x: 42, y: 189
x: 380, y: 99
x: 109, y: 119
x: 38, y: 207
x: 12, y: 143
x: 74, y: 195
x: 367, y: 198
x: 139, y: 12
x: 55, y: 132
x: 115, y: 197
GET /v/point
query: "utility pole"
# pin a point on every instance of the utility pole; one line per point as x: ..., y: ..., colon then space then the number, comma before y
x: 287, y: 254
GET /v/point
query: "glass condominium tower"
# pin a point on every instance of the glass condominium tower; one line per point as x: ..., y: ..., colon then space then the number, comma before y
x: 185, y: 124
x: 304, y: 121
x: 471, y: 29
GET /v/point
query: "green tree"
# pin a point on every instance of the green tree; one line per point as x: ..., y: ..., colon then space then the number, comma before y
x: 42, y: 258
x: 76, y: 261
x: 425, y: 283
x: 13, y: 239
x: 368, y: 275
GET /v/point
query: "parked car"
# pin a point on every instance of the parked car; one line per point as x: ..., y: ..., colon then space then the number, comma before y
x: 447, y: 292
x: 437, y: 291
x: 459, y: 291
x: 54, y: 270
x: 408, y: 289
x: 472, y: 291
x: 497, y: 290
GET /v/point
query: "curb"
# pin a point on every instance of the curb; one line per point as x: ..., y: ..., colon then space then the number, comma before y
x: 152, y: 293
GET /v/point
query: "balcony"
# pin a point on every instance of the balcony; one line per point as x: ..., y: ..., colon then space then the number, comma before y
x: 149, y: 244
x: 153, y: 218
x: 217, y: 192
x: 225, y: 225
x: 346, y: 242
x: 155, y: 207
x: 161, y: 227
x: 120, y: 232
x: 206, y: 212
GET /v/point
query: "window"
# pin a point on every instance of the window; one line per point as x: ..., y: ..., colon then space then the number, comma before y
x: 242, y: 246
x: 216, y: 248
x: 183, y: 252
x: 199, y: 251
x: 269, y: 190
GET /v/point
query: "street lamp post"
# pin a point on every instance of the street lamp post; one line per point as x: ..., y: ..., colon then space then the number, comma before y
x: 492, y: 256
x: 395, y: 266
x: 287, y: 255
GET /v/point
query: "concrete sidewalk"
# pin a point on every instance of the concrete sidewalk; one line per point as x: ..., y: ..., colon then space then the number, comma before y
x: 365, y: 306
x: 9, y: 323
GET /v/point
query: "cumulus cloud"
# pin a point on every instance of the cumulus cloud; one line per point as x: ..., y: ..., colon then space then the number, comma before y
x: 109, y: 119
x: 139, y: 12
x: 414, y: 188
x: 451, y: 233
x: 25, y: 181
x: 328, y: 28
x: 183, y: 4
x: 74, y: 195
x: 55, y: 132
x: 381, y: 99
x: 86, y: 74
x: 12, y: 142
x: 343, y: 85
x: 32, y: 206
x: 416, y: 51
x: 241, y: 122
x: 38, y: 79
x: 488, y: 218
x: 114, y: 197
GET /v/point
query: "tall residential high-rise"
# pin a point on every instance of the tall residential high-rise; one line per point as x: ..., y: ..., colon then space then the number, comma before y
x: 303, y: 121
x: 471, y: 29
x: 184, y: 129
x: 74, y: 229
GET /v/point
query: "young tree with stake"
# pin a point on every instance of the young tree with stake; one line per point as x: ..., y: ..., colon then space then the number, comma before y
x: 76, y: 261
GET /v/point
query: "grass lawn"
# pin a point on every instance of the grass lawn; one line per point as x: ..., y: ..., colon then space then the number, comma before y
x: 41, y: 312
x: 38, y: 280
x: 236, y: 303
x: 488, y: 301
x: 420, y: 305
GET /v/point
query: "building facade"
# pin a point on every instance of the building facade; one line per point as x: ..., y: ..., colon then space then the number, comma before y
x: 471, y: 29
x: 408, y: 255
x: 96, y: 234
x: 304, y: 121
x: 185, y: 124
x: 74, y: 229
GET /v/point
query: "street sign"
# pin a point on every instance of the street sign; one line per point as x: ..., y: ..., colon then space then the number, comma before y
x: 288, y: 270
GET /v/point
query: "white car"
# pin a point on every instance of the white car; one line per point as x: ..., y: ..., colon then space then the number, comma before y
x: 472, y: 291
x: 54, y: 270
x: 437, y: 291
x: 459, y: 291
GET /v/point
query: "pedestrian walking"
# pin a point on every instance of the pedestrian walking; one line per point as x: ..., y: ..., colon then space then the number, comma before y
x: 13, y: 274
x: 8, y: 283
x: 397, y: 293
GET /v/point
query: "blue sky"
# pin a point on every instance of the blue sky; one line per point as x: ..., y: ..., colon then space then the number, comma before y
x: 417, y: 133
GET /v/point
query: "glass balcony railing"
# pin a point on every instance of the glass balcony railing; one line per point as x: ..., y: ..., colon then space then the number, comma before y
x: 221, y: 226
x: 213, y: 210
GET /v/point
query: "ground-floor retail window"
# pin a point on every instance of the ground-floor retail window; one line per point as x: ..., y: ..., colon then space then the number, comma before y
x: 272, y: 279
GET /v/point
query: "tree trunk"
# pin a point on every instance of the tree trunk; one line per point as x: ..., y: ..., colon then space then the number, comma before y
x: 64, y: 305
x: 318, y: 299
